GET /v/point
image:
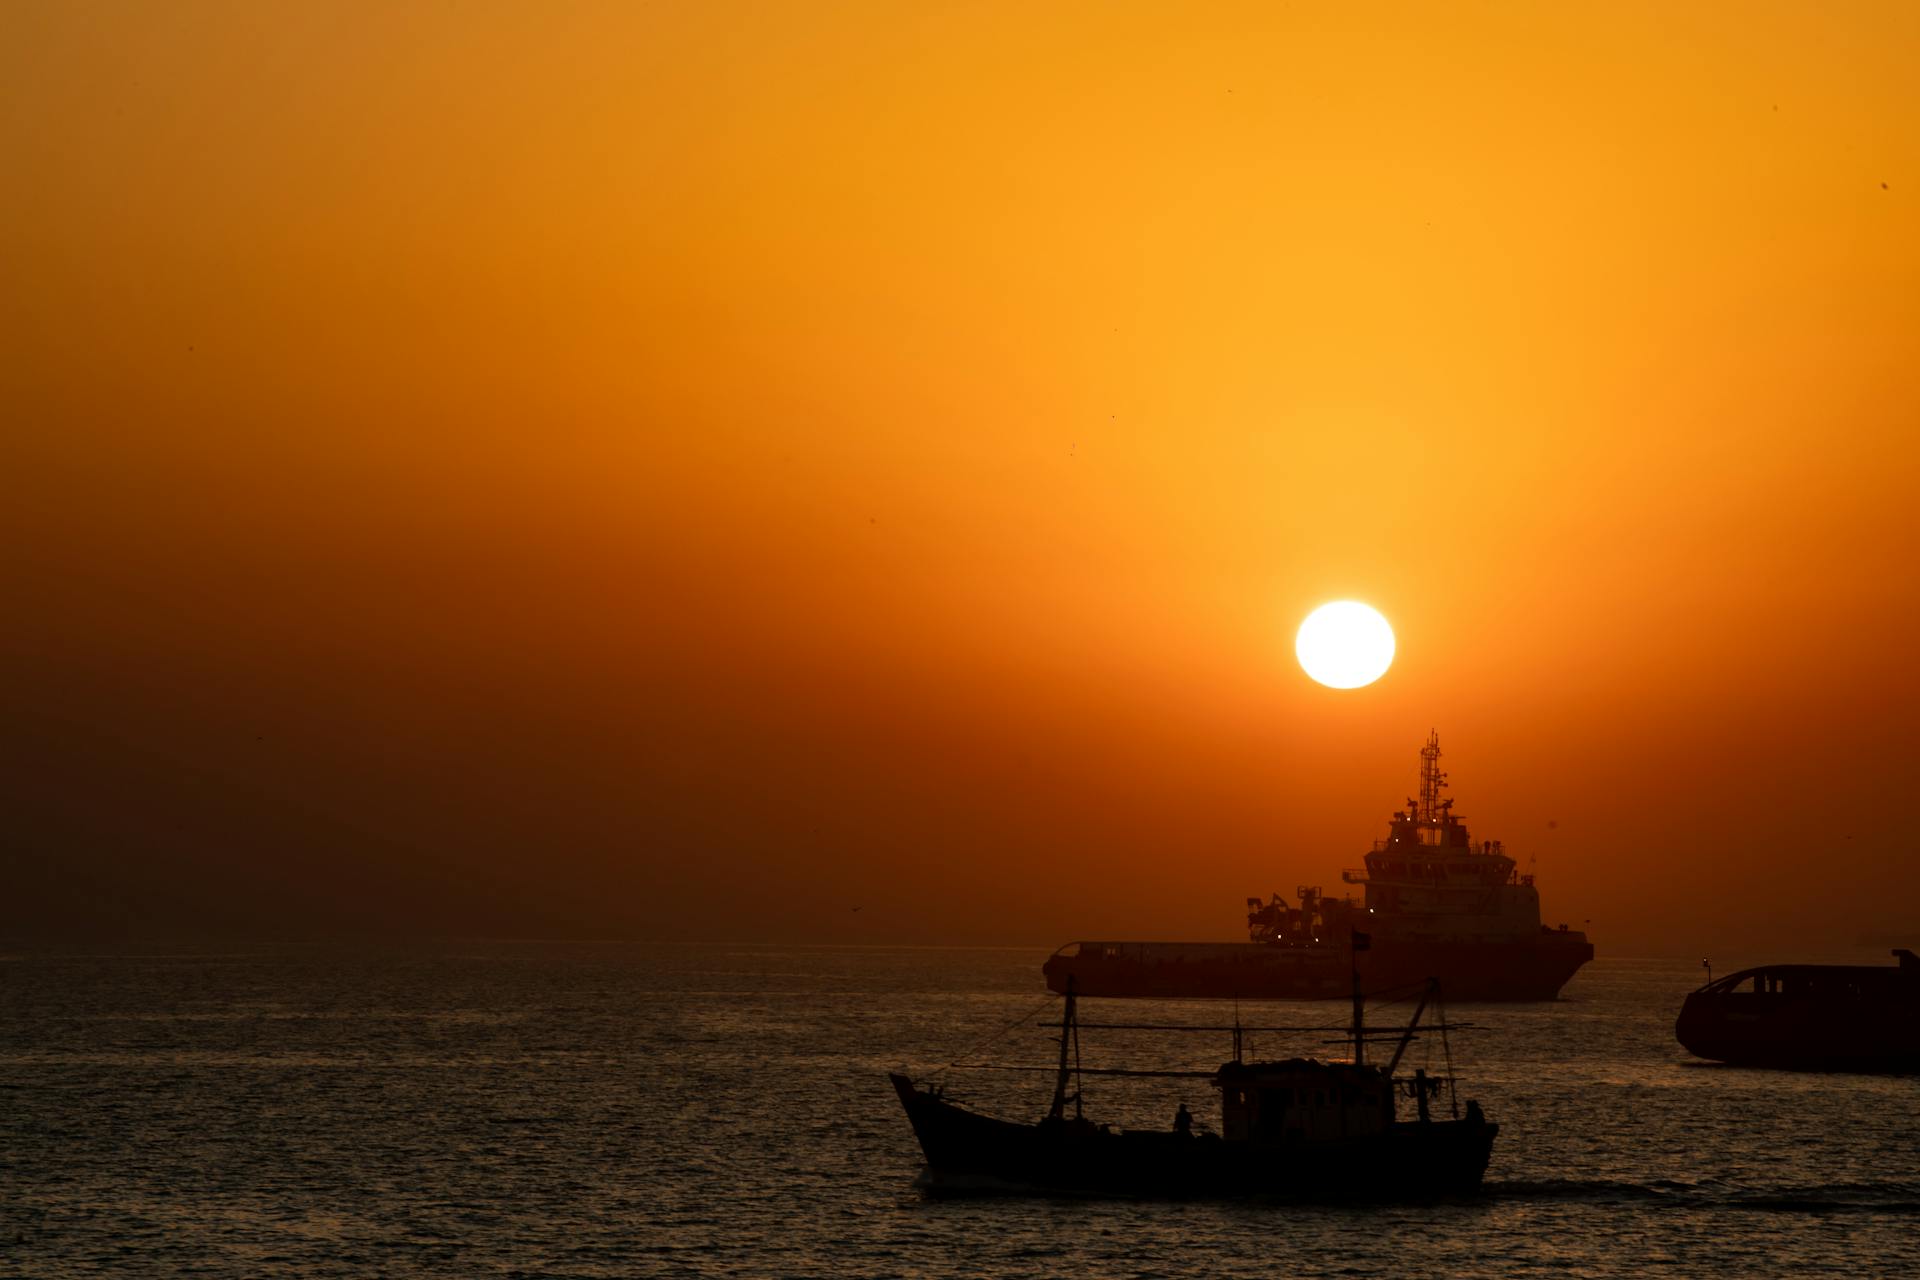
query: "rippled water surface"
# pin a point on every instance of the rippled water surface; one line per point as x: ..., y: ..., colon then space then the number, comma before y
x: 556, y: 1110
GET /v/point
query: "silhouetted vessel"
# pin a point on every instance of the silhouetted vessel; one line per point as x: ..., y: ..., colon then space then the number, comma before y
x: 1300, y: 1128
x: 1814, y: 1017
x: 1435, y: 904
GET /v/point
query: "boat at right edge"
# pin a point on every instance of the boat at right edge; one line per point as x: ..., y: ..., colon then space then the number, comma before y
x: 1809, y: 1017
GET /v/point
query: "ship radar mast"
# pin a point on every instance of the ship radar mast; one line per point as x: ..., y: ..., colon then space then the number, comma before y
x: 1431, y: 781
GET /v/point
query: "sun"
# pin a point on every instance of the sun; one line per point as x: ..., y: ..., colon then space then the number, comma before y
x: 1344, y: 645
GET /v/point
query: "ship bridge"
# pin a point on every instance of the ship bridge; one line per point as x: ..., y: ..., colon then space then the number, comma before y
x: 1429, y: 876
x: 1428, y: 881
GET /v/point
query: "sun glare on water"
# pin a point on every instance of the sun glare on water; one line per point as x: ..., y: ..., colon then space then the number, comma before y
x: 1344, y: 645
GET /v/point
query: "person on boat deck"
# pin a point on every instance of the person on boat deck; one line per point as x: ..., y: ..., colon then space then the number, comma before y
x: 1183, y: 1121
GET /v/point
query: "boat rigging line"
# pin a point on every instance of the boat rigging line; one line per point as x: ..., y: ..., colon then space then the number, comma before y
x: 1023, y: 1016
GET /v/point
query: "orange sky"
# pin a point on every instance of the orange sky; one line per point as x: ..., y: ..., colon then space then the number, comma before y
x: 655, y: 470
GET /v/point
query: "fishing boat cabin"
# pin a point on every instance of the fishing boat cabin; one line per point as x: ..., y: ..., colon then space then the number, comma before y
x: 1302, y: 1100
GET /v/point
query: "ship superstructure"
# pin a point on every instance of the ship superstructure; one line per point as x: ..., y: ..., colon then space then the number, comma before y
x: 1433, y: 903
x: 1428, y: 879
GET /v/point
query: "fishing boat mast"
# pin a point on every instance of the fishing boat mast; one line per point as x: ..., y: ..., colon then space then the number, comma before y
x: 1406, y: 1037
x: 1360, y: 943
x: 1069, y: 1031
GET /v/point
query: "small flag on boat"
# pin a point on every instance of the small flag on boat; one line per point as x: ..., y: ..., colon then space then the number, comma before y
x: 1361, y: 941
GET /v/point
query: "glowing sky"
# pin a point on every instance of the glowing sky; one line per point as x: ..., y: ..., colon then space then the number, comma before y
x: 693, y: 469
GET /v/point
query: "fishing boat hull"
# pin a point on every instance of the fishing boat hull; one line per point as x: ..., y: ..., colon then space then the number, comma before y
x: 968, y: 1152
x: 1518, y: 970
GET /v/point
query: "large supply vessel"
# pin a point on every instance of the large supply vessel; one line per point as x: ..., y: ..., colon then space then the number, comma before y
x: 1435, y: 905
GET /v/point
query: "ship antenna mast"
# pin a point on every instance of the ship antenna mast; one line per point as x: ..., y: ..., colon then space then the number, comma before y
x: 1431, y: 779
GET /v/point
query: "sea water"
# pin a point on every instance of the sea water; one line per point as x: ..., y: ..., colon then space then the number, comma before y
x: 550, y: 1109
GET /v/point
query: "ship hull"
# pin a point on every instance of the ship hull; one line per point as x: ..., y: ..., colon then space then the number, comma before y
x: 971, y: 1153
x: 1522, y: 970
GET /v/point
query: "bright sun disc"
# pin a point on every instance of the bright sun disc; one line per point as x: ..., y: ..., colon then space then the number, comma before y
x: 1344, y: 645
